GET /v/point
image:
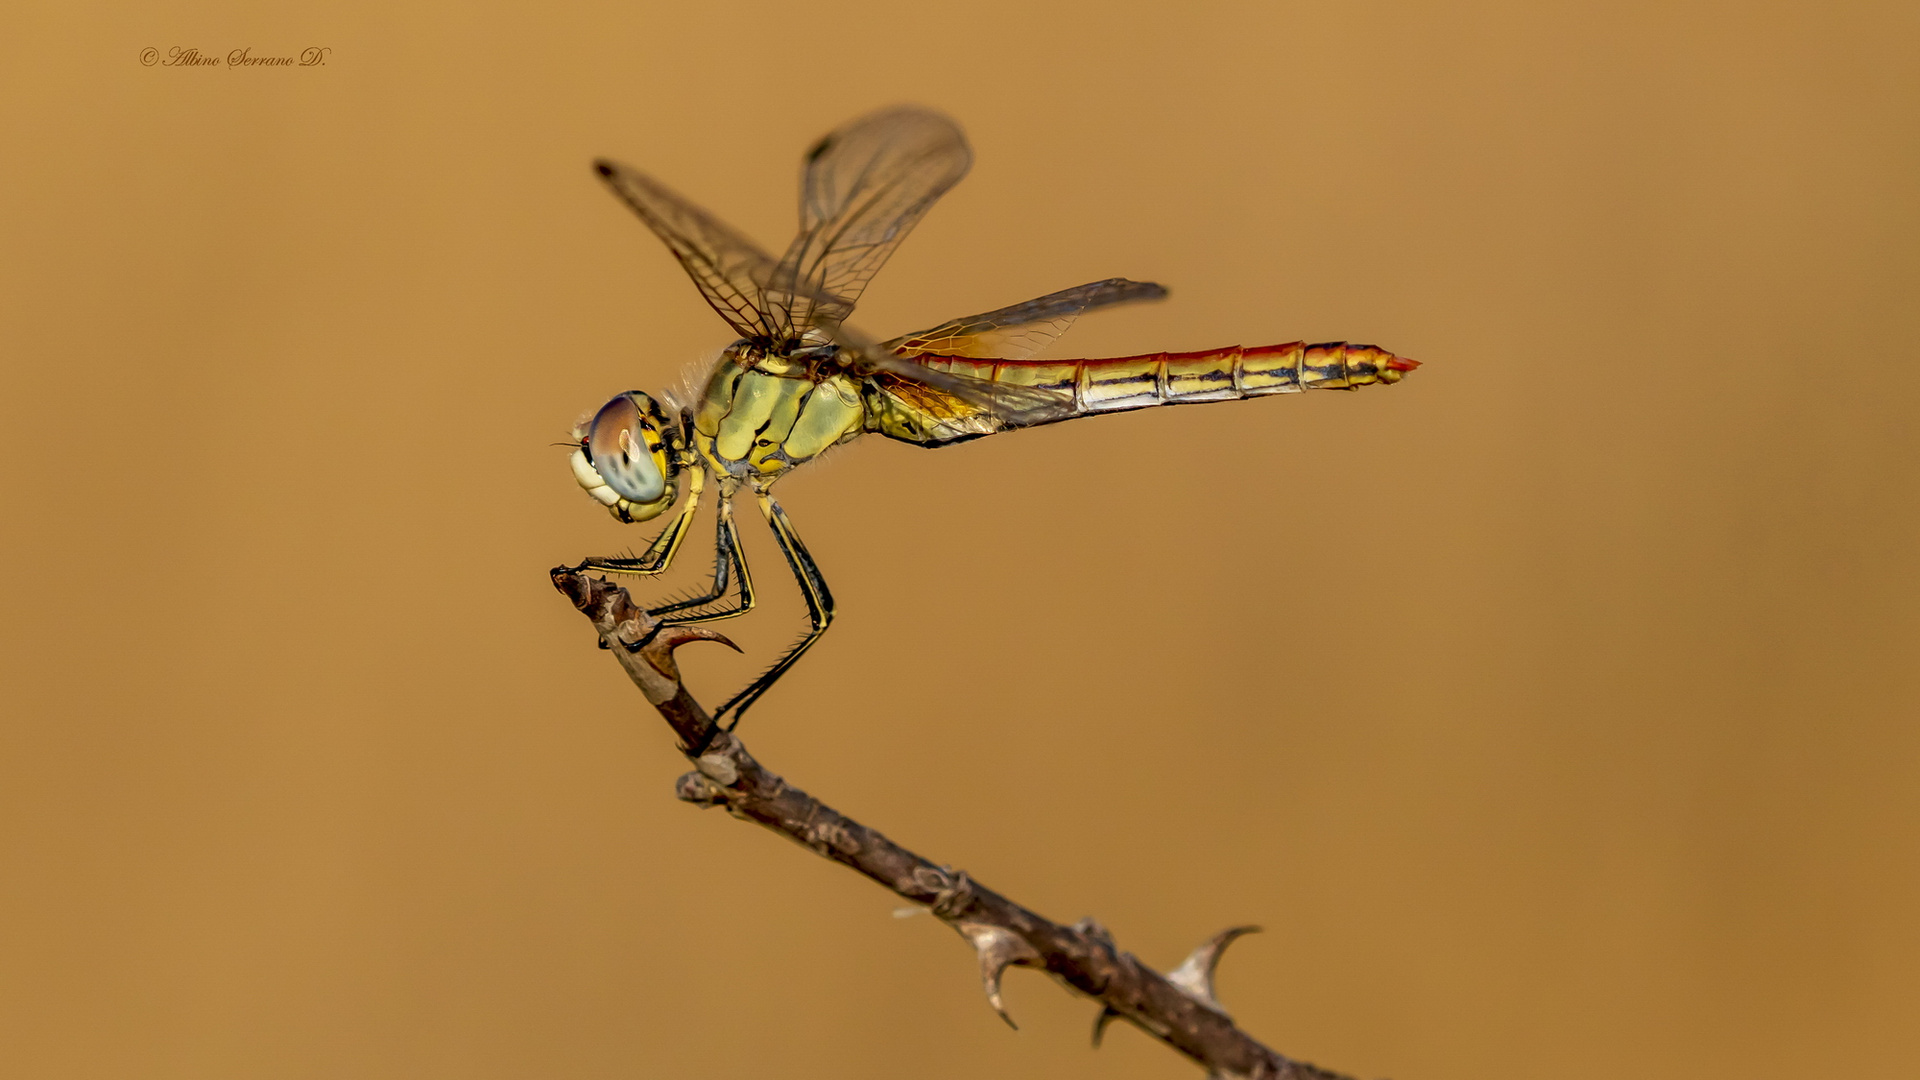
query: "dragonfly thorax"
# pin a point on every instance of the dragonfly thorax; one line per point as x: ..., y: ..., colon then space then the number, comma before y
x: 629, y: 457
x: 764, y: 411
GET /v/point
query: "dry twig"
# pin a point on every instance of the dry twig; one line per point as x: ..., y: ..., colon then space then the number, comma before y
x: 1178, y: 1009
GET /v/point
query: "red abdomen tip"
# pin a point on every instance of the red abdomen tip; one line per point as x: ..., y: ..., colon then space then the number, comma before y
x: 1401, y: 363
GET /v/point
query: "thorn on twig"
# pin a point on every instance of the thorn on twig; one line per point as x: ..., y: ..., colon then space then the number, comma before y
x: 658, y: 651
x: 998, y: 949
x: 1195, y: 977
x: 1107, y: 1016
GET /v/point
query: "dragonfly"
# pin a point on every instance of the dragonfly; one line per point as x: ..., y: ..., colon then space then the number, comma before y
x: 799, y: 381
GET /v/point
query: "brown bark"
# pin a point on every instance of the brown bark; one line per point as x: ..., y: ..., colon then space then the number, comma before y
x: 1178, y: 1009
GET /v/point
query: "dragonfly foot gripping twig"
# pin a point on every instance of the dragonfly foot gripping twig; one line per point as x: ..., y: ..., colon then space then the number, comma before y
x: 1178, y: 1009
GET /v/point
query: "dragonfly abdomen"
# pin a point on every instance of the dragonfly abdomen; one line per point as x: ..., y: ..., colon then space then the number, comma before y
x: 1132, y: 382
x: 1120, y: 383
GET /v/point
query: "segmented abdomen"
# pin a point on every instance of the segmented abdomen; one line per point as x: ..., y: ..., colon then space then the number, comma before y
x: 1137, y: 382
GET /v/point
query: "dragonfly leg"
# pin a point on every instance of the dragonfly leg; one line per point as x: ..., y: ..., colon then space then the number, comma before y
x: 729, y: 561
x: 659, y: 554
x: 813, y: 588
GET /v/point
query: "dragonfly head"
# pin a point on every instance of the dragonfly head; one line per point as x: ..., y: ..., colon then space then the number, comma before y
x: 629, y: 457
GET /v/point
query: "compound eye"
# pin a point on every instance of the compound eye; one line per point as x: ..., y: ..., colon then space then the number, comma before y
x: 625, y: 450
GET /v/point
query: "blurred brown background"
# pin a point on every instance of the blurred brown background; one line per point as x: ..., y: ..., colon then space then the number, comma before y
x: 1555, y: 711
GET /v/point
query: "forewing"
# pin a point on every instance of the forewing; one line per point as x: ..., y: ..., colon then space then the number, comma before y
x: 957, y: 407
x: 949, y: 394
x: 1020, y: 330
x: 865, y: 187
x: 729, y: 269
x: 1009, y: 404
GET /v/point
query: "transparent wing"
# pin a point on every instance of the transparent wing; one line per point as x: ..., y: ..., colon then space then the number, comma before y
x: 730, y: 270
x: 983, y: 406
x: 948, y: 394
x: 1020, y: 330
x: 866, y: 186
